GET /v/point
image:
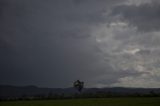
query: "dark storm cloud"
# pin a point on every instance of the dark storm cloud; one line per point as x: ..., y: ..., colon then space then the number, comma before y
x: 54, y: 42
x: 47, y: 43
x: 145, y: 16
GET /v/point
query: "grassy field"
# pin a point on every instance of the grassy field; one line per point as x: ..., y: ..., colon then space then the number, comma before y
x: 88, y: 102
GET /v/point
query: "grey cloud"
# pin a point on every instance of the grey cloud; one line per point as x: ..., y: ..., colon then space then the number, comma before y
x: 112, y: 76
x: 129, y: 42
x: 145, y: 16
x: 52, y: 43
x: 47, y: 43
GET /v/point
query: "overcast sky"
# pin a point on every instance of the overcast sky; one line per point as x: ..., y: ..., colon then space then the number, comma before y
x: 105, y: 43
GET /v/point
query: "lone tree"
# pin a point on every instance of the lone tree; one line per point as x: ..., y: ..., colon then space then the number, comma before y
x: 78, y: 85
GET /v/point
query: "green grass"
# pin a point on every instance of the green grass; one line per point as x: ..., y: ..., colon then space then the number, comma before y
x: 88, y: 102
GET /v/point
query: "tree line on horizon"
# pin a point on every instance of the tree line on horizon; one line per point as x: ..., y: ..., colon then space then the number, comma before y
x: 79, y: 85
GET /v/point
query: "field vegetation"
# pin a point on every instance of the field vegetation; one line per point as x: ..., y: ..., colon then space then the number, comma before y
x: 124, y: 101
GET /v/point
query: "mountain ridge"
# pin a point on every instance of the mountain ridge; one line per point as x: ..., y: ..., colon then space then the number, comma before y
x: 11, y: 91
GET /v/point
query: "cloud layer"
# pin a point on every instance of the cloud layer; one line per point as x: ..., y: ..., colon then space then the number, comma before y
x: 102, y: 42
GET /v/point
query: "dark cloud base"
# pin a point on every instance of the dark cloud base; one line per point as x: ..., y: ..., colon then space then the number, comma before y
x: 53, y: 43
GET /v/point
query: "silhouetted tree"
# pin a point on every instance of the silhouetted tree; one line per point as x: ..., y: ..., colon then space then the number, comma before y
x: 78, y: 85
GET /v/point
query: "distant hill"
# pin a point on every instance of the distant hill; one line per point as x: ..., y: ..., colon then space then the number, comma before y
x: 8, y: 91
